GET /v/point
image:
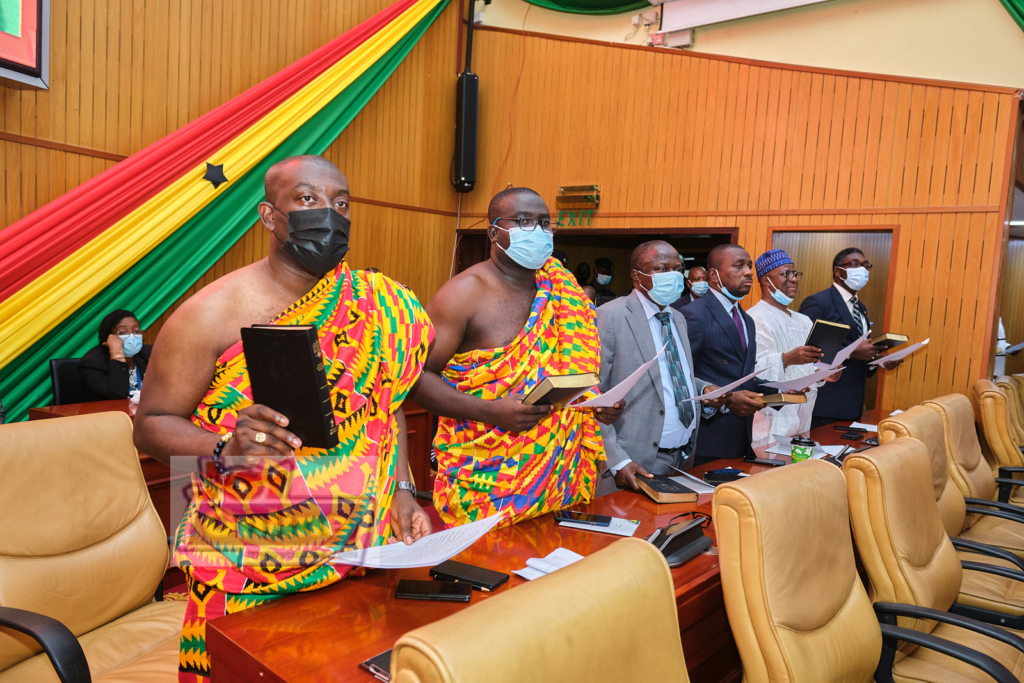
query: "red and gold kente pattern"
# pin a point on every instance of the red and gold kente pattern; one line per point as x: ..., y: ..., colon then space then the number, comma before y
x: 482, y: 469
x: 269, y: 531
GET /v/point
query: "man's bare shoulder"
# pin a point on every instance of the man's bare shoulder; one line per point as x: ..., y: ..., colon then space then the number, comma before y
x: 462, y: 290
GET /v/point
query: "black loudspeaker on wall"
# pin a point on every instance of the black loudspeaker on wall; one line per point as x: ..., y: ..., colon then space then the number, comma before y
x: 467, y: 98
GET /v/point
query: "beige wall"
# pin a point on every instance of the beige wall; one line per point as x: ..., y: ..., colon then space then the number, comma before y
x: 974, y: 41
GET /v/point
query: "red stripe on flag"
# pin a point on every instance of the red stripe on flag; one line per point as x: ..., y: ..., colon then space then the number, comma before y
x: 39, y: 241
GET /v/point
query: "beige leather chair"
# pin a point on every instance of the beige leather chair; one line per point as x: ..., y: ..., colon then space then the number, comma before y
x: 608, y: 618
x: 967, y: 466
x: 1018, y: 383
x: 796, y: 606
x: 82, y: 544
x: 991, y: 411
x: 979, y: 522
x: 909, y: 559
x: 1015, y: 418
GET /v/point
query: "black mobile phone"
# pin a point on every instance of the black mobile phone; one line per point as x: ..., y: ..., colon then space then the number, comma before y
x: 770, y: 462
x: 477, y: 577
x: 850, y: 429
x: 582, y: 518
x: 873, y: 441
x: 852, y: 436
x: 379, y: 666
x: 716, y: 477
x: 445, y: 591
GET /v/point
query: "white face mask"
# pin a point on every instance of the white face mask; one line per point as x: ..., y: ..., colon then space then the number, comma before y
x: 856, y: 278
x: 603, y: 279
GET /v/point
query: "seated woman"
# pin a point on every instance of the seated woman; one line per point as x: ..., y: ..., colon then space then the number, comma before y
x: 115, y: 367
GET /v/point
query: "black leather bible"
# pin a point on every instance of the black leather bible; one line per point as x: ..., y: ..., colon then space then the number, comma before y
x: 286, y: 370
x: 829, y: 337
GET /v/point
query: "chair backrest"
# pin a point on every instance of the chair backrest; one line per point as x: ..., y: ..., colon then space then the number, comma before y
x: 67, y: 385
x: 1018, y: 383
x: 900, y: 539
x: 992, y: 410
x: 81, y: 540
x: 925, y: 425
x: 796, y: 606
x: 968, y: 468
x: 610, y: 617
x: 1014, y: 420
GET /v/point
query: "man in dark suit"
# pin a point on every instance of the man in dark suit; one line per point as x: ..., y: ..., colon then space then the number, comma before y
x: 723, y: 342
x: 658, y: 427
x: 844, y: 399
x: 696, y: 287
x: 604, y: 270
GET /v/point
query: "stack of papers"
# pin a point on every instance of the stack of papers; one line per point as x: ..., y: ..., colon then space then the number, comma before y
x: 860, y: 425
x: 619, y: 527
x: 426, y: 552
x: 783, y: 447
x: 542, y: 566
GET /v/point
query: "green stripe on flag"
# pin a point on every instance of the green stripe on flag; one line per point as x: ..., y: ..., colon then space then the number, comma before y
x: 153, y: 284
x: 10, y: 17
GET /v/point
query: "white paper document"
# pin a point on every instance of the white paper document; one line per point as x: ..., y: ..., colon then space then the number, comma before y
x: 784, y: 447
x: 844, y: 353
x: 803, y: 382
x: 899, y: 354
x: 693, y: 483
x: 861, y: 425
x: 712, y: 395
x: 426, y: 552
x: 619, y: 391
x: 618, y: 527
x: 537, y: 567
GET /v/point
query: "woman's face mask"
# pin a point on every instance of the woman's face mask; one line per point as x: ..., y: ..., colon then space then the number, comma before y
x: 132, y: 344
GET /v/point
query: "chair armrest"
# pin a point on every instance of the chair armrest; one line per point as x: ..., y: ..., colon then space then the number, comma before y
x: 1011, y: 516
x: 1009, y: 482
x: 895, y: 609
x: 1005, y: 485
x: 1006, y: 507
x: 990, y: 550
x: 1007, y: 471
x: 58, y: 642
x: 1004, y: 572
x: 892, y: 634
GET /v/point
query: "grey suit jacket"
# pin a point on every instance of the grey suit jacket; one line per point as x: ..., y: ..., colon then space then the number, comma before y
x: 626, y: 344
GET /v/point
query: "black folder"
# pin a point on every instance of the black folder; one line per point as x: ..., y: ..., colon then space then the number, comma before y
x: 286, y: 371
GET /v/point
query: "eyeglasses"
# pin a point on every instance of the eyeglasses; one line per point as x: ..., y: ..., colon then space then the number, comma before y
x: 857, y: 264
x: 530, y: 224
x: 792, y: 275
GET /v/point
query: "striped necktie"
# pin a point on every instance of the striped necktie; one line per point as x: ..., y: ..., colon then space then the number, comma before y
x: 675, y: 368
x: 856, y: 315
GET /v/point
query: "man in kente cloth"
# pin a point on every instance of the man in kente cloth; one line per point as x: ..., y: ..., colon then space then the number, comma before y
x: 502, y: 327
x: 268, y: 522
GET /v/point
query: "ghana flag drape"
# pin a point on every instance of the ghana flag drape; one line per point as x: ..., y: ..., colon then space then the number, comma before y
x: 138, y: 235
x: 1016, y: 10
x: 594, y: 6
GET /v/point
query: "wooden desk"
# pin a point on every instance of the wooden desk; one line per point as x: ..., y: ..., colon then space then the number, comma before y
x: 324, y: 635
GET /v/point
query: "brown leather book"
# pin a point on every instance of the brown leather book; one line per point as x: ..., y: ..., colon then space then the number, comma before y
x: 782, y: 399
x: 663, y: 490
x: 286, y: 370
x: 561, y: 390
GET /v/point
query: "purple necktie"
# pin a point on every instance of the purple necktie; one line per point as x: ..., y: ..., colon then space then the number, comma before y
x: 739, y: 327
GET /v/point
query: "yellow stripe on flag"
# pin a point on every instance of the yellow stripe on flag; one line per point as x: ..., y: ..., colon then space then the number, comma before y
x: 43, y: 304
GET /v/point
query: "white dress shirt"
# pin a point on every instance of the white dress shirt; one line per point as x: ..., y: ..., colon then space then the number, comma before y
x: 674, y: 434
x: 729, y: 305
x: 854, y: 311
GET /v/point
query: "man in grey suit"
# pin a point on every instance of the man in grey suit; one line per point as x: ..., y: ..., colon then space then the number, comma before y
x: 658, y: 428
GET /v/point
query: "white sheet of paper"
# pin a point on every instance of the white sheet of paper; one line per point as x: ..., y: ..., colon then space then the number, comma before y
x: 712, y: 395
x: 529, y: 573
x: 784, y: 447
x: 693, y: 483
x: 555, y: 560
x: 827, y: 451
x: 861, y: 425
x: 619, y: 391
x: 426, y: 552
x: 618, y: 527
x: 895, y: 413
x: 900, y: 354
x: 803, y: 382
x: 844, y: 353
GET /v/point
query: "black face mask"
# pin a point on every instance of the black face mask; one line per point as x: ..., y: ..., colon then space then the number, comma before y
x: 317, y: 238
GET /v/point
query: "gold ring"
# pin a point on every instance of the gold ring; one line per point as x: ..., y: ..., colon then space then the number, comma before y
x: 260, y: 437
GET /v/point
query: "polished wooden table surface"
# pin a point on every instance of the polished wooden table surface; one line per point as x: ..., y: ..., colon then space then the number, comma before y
x: 121, y: 405
x: 324, y: 635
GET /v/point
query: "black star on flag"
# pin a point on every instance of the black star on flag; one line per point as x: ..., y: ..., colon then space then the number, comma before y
x: 215, y: 174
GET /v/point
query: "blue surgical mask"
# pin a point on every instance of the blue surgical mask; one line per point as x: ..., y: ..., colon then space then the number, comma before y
x: 725, y: 290
x: 666, y: 288
x: 856, y: 278
x: 132, y: 344
x: 779, y: 296
x: 603, y: 279
x: 529, y: 248
x: 699, y: 288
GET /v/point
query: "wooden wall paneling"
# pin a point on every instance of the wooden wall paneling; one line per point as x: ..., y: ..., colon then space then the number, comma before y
x: 1013, y: 302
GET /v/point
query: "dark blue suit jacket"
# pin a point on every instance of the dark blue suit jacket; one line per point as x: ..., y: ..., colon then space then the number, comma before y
x: 718, y: 358
x: 842, y: 400
x: 685, y: 300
